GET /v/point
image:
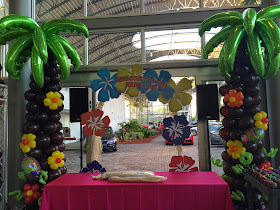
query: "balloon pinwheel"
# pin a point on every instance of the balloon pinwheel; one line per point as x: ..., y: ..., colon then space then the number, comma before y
x: 258, y: 29
x: 33, y: 41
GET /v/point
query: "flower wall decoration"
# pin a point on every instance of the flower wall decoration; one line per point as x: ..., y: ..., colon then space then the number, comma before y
x: 124, y: 74
x: 56, y: 160
x: 93, y: 124
x: 182, y: 164
x: 53, y: 100
x: 154, y: 85
x: 234, y: 98
x: 261, y: 120
x: 176, y: 129
x: 235, y: 149
x: 106, y: 85
x: 179, y: 98
x: 31, y: 192
x: 28, y: 142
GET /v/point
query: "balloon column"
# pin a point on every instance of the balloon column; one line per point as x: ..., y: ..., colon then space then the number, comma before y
x: 42, y: 141
x: 243, y: 64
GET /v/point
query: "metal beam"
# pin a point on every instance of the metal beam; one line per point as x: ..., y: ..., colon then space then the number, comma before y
x: 154, y: 19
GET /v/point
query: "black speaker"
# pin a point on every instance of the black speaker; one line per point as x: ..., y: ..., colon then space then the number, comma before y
x: 81, y: 101
x: 207, y: 102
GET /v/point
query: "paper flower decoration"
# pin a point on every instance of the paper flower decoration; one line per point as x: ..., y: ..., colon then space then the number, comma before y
x: 128, y: 81
x: 235, y: 149
x: 93, y: 123
x: 176, y: 129
x: 179, y: 98
x: 55, y: 160
x: 154, y: 84
x: 53, y: 100
x: 31, y: 192
x: 261, y: 120
x: 93, y: 167
x: 106, y: 85
x: 234, y: 98
x: 182, y: 164
x: 28, y: 142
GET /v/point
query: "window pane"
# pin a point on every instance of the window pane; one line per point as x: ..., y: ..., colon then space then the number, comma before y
x: 113, y: 7
x: 114, y: 48
x: 228, y: 3
x: 48, y: 9
x: 181, y: 44
x: 163, y: 6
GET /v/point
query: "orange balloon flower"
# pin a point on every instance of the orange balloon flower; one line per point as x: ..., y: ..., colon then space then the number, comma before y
x: 234, y: 98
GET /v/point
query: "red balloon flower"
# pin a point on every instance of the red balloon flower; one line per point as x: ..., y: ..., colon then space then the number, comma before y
x: 93, y: 123
x: 31, y: 193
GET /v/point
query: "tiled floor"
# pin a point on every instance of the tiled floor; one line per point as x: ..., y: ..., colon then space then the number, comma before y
x: 154, y: 156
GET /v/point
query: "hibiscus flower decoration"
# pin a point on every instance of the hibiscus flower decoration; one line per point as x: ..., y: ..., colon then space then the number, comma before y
x: 106, y: 85
x: 234, y: 98
x: 125, y: 75
x: 56, y: 160
x: 179, y: 98
x: 31, y: 192
x: 235, y: 149
x: 182, y: 164
x: 93, y: 123
x: 28, y: 142
x: 154, y: 85
x: 261, y: 120
x: 176, y: 129
x: 53, y: 100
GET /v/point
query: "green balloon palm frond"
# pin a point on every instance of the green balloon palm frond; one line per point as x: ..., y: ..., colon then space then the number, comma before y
x: 31, y: 40
x: 258, y: 29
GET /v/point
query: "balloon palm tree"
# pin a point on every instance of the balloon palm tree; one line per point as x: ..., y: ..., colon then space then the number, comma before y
x: 242, y: 62
x: 42, y: 141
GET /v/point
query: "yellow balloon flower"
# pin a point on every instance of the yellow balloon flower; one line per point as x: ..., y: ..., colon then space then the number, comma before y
x: 53, y: 100
x: 261, y: 120
x: 55, y: 160
x: 128, y: 81
x: 179, y: 98
x: 28, y: 142
x: 235, y: 149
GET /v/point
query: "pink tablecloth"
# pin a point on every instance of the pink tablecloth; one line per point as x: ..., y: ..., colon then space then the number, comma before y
x: 188, y: 191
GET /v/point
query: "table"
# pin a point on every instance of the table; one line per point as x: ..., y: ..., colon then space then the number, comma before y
x: 188, y: 191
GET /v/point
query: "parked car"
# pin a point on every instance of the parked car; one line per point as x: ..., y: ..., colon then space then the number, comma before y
x: 187, y: 141
x: 109, y: 140
x: 214, y: 137
x: 194, y: 131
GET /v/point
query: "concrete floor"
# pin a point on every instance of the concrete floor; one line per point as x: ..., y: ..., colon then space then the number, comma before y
x: 154, y: 156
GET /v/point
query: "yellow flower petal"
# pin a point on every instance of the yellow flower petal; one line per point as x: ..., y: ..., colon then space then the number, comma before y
x: 186, y: 99
x: 31, y: 137
x: 61, y: 155
x: 57, y: 95
x: 235, y: 155
x: 174, y: 105
x: 120, y: 86
x: 183, y: 84
x: 47, y: 101
x: 264, y: 127
x: 54, y: 166
x: 162, y: 99
x: 136, y: 70
x: 32, y: 144
x: 171, y: 83
x: 258, y: 116
x: 241, y: 150
x: 258, y: 124
x: 50, y: 94
x: 51, y: 160
x: 264, y: 115
x: 59, y: 102
x: 122, y: 72
x: 53, y: 106
x: 230, y: 143
x: 61, y: 164
x: 20, y: 145
x: 26, y: 149
x: 24, y: 137
x: 132, y: 91
x: 229, y: 151
x: 56, y: 154
x: 238, y: 143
